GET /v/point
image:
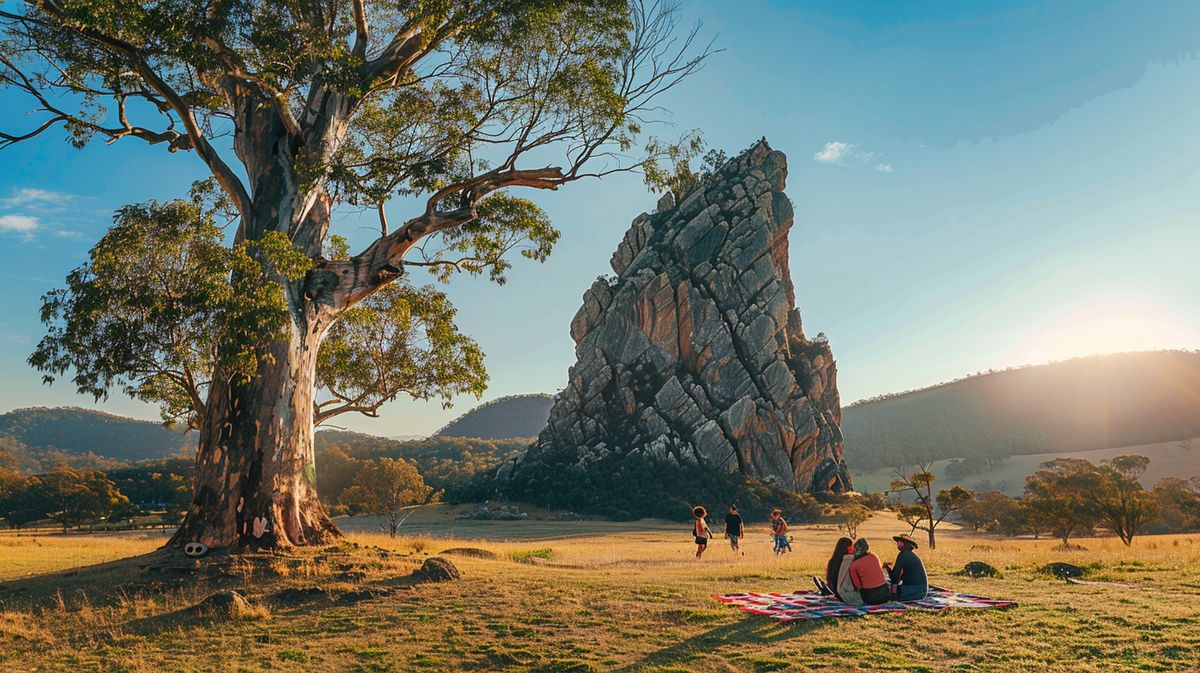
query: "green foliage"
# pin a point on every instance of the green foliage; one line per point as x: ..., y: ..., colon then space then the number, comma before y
x: 400, y: 340
x: 527, y: 555
x: 23, y: 500
x: 993, y: 511
x: 161, y: 303
x: 1122, y: 505
x: 1058, y: 497
x: 165, y: 484
x: 850, y: 516
x: 461, y: 467
x: 670, y: 165
x: 78, y: 496
x: 1179, y: 505
x: 1074, y: 405
x: 503, y: 223
x: 387, y: 488
x: 637, y: 485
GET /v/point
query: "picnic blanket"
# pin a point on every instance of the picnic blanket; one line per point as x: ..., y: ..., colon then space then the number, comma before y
x: 812, y: 605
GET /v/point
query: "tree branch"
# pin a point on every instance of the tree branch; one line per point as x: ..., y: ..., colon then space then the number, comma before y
x: 220, y: 170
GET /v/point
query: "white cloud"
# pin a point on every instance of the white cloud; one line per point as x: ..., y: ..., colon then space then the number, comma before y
x: 28, y: 195
x: 833, y: 153
x: 23, y: 224
x: 839, y: 153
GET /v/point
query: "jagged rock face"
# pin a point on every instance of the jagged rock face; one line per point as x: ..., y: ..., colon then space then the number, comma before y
x: 694, y: 354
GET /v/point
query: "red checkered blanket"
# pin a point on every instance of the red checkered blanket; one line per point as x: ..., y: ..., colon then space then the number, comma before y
x: 812, y: 605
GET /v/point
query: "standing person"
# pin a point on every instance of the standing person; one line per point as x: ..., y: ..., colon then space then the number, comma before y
x: 700, y: 529
x: 867, y: 575
x: 779, y: 528
x: 908, y: 578
x: 735, y: 529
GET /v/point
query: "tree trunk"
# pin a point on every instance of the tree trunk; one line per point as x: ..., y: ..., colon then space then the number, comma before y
x: 255, y: 482
x: 932, y: 543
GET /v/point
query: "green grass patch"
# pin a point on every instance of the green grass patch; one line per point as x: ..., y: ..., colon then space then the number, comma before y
x: 293, y: 655
x: 696, y: 616
x: 527, y: 555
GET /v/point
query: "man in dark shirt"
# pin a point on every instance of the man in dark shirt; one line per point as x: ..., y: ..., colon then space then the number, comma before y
x: 735, y: 529
x: 907, y: 577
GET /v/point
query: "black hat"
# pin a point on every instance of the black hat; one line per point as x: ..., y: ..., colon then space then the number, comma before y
x: 905, y: 537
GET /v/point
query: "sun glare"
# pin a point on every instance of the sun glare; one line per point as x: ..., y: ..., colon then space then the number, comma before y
x: 1107, y: 326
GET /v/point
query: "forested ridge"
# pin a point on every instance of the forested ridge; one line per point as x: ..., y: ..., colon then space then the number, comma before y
x: 44, y: 435
x: 503, y: 418
x: 1086, y: 403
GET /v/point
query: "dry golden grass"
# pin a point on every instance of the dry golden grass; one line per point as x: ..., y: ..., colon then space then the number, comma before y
x: 628, y: 598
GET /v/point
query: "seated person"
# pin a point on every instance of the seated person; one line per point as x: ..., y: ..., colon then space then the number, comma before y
x: 908, y: 579
x: 866, y: 575
x: 843, y: 585
x: 828, y: 585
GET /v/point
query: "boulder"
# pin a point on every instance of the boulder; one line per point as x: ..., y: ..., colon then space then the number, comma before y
x: 437, y: 569
x: 1063, y: 570
x: 979, y: 569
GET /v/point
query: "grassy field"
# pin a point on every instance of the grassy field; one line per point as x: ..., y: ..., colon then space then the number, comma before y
x: 1167, y: 459
x: 578, y: 597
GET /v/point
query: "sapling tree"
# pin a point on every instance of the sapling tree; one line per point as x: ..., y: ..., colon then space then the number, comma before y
x: 455, y: 109
x: 391, y: 489
x: 927, y: 510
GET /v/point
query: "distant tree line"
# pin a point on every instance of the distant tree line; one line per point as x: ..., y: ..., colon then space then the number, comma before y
x: 637, y: 485
x: 460, y: 467
x: 1064, y: 498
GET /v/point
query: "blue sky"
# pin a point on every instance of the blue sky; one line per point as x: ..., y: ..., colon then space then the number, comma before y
x: 977, y: 185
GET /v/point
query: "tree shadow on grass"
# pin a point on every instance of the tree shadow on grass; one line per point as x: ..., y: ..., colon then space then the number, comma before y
x: 751, y: 630
x: 102, y: 583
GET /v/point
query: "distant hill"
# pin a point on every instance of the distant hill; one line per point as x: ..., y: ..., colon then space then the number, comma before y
x: 1087, y: 403
x: 71, y: 432
x: 503, y: 418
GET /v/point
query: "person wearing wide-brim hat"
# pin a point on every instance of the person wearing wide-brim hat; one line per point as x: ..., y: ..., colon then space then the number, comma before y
x: 907, y: 577
x: 700, y: 529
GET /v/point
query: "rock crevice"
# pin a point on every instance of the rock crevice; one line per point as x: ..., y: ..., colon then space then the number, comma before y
x: 694, y: 354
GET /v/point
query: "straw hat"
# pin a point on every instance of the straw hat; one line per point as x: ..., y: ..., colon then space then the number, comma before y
x: 904, y: 537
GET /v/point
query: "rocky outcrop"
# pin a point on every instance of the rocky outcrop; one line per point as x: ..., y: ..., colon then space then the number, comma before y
x: 694, y: 354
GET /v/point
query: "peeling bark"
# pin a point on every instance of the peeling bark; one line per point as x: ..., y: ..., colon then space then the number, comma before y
x: 255, y: 482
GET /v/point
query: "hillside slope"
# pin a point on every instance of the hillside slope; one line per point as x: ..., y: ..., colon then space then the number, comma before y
x: 75, y: 432
x: 503, y: 418
x: 1087, y: 403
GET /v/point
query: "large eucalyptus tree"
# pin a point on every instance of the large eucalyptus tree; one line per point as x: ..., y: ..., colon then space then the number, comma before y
x: 298, y: 107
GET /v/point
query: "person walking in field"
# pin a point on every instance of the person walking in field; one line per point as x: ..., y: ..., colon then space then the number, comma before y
x: 779, y: 528
x: 700, y: 529
x: 908, y: 579
x: 735, y: 529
